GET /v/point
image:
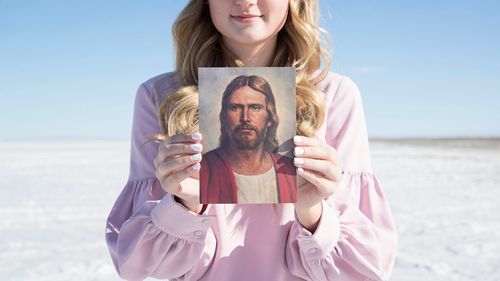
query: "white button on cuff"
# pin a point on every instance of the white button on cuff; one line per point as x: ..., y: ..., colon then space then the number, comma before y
x: 198, y: 233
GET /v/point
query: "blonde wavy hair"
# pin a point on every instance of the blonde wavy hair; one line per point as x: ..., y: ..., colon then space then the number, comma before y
x: 199, y: 44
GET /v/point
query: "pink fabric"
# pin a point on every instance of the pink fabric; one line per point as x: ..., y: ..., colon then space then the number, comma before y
x: 149, y: 234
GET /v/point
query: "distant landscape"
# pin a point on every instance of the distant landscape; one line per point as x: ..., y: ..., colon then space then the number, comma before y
x: 55, y: 196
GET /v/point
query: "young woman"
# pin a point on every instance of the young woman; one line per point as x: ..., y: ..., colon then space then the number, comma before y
x: 341, y: 226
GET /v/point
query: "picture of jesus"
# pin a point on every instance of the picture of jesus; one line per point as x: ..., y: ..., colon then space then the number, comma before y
x: 245, y: 168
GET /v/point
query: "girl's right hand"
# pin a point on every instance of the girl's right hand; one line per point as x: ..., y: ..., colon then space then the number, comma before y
x: 177, y: 168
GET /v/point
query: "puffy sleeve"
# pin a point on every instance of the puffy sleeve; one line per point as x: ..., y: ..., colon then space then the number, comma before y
x: 356, y: 238
x: 147, y: 232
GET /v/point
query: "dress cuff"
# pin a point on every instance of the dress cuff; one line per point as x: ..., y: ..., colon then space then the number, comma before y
x: 174, y: 219
x: 321, y: 243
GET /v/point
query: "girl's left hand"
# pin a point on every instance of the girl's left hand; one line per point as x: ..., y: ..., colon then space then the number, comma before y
x: 319, y: 169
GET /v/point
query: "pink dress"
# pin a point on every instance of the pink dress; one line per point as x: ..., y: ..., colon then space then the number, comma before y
x: 150, y: 235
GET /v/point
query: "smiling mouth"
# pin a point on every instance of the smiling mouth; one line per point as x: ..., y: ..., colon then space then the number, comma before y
x: 246, y: 18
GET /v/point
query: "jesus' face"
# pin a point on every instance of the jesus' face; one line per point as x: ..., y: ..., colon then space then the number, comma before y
x: 247, y: 118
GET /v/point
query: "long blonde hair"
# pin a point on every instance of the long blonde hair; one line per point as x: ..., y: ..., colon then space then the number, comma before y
x: 199, y: 44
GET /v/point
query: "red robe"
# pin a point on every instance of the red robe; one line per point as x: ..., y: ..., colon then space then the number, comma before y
x: 218, y: 184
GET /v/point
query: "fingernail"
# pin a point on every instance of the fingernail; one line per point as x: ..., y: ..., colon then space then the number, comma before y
x: 298, y: 161
x: 300, y: 170
x: 299, y: 151
x: 196, y: 166
x: 196, y: 147
x: 297, y: 139
x: 196, y: 136
x: 196, y: 157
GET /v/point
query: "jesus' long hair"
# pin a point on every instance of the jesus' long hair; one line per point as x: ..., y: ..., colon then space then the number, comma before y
x: 258, y: 84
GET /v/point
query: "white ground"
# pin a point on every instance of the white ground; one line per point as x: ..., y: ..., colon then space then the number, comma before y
x: 55, y: 196
x: 445, y: 200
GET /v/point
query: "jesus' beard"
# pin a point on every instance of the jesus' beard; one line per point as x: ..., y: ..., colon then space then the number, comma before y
x: 241, y: 138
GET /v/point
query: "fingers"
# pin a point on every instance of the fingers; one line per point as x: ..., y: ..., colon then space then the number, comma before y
x: 305, y: 141
x: 317, y: 152
x: 176, y: 149
x: 171, y: 183
x: 326, y: 168
x: 178, y: 145
x: 172, y: 165
x: 323, y: 185
x: 317, y: 156
x: 314, y: 148
x: 178, y: 158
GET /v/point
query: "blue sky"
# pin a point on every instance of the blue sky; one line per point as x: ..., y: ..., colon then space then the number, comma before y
x: 70, y: 69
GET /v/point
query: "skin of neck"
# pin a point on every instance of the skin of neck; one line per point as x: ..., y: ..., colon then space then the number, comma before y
x: 253, y: 55
x: 249, y: 161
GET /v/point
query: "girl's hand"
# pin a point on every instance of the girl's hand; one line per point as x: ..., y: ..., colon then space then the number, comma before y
x: 319, y: 170
x: 177, y: 168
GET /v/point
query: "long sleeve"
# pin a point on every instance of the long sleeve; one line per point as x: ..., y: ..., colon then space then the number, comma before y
x: 147, y: 232
x: 356, y: 238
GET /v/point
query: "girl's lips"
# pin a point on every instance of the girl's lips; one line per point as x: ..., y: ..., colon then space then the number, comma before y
x: 246, y: 18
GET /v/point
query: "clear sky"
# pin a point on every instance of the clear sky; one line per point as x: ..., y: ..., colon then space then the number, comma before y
x: 70, y: 69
